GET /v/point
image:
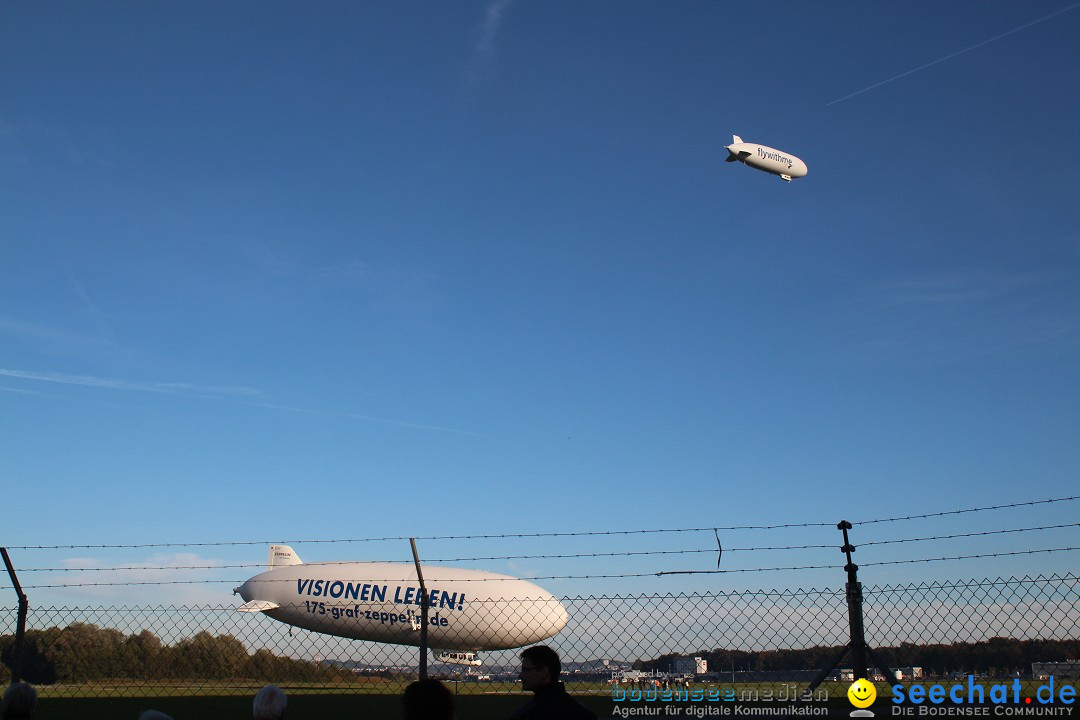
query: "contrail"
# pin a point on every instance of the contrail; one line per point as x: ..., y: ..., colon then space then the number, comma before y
x: 105, y: 331
x: 482, y: 61
x: 955, y: 54
x: 134, y: 385
x: 213, y: 392
x: 356, y: 416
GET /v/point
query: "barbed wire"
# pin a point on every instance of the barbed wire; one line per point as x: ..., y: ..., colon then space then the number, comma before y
x: 968, y: 510
x: 404, y: 538
x: 890, y: 562
x: 661, y: 573
x: 970, y: 534
x: 1070, y: 578
x: 507, y: 536
x: 392, y: 561
x: 562, y: 556
x: 970, y: 557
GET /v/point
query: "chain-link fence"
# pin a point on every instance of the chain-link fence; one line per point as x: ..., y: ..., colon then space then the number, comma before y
x: 995, y: 627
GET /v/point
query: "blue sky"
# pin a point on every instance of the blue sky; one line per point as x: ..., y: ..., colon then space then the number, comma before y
x: 350, y: 270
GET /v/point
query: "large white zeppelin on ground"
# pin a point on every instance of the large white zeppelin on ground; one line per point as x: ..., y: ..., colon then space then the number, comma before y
x: 467, y: 609
x: 762, y: 157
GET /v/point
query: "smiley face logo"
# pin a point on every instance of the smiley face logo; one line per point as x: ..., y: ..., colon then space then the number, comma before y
x: 862, y: 693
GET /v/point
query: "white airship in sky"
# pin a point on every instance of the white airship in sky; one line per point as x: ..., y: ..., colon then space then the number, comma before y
x: 762, y: 157
x: 468, y: 610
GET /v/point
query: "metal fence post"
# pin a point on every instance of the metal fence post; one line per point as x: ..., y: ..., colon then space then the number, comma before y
x: 423, y: 612
x: 853, y: 593
x: 857, y: 643
x: 20, y: 628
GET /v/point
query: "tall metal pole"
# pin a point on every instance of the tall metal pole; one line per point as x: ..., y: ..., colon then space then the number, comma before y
x: 857, y: 644
x: 854, y: 601
x: 423, y: 612
x: 20, y: 628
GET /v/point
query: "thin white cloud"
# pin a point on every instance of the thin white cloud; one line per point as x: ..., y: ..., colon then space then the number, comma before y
x: 367, y: 418
x: 950, y: 56
x: 217, y: 392
x: 27, y: 142
x: 485, y: 46
x: 956, y: 288
x: 233, y: 393
x: 189, y: 579
x: 54, y: 339
x: 21, y: 391
x: 104, y: 329
x: 352, y: 279
x: 172, y: 388
x: 482, y: 60
x: 353, y: 272
x: 963, y: 315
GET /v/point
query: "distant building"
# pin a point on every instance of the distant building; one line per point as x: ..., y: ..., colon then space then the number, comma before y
x: 687, y: 665
x: 1047, y: 670
x: 904, y: 673
x: 640, y: 678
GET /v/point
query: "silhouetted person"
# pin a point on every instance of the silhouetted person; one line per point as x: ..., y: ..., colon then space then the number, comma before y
x: 540, y: 668
x: 269, y: 704
x: 20, y: 701
x: 427, y: 700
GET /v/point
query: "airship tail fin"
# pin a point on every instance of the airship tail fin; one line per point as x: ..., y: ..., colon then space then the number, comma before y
x: 735, y: 139
x: 281, y: 555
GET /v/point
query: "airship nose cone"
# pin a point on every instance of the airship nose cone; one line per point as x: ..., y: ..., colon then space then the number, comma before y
x: 553, y: 617
x: 244, y: 591
x: 561, y: 617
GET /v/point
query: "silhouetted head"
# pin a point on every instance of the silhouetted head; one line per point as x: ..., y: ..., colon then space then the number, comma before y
x: 20, y: 701
x: 269, y: 703
x: 427, y: 700
x: 154, y: 715
x: 540, y: 666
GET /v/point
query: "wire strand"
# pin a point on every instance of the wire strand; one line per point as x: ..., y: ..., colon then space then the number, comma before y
x: 590, y: 577
x: 968, y: 510
x: 633, y: 553
x: 504, y: 536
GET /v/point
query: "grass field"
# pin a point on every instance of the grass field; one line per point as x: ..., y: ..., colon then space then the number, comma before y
x: 301, y: 707
x: 480, y: 701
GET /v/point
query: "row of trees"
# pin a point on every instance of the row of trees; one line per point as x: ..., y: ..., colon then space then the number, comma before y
x: 997, y: 656
x: 82, y: 652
